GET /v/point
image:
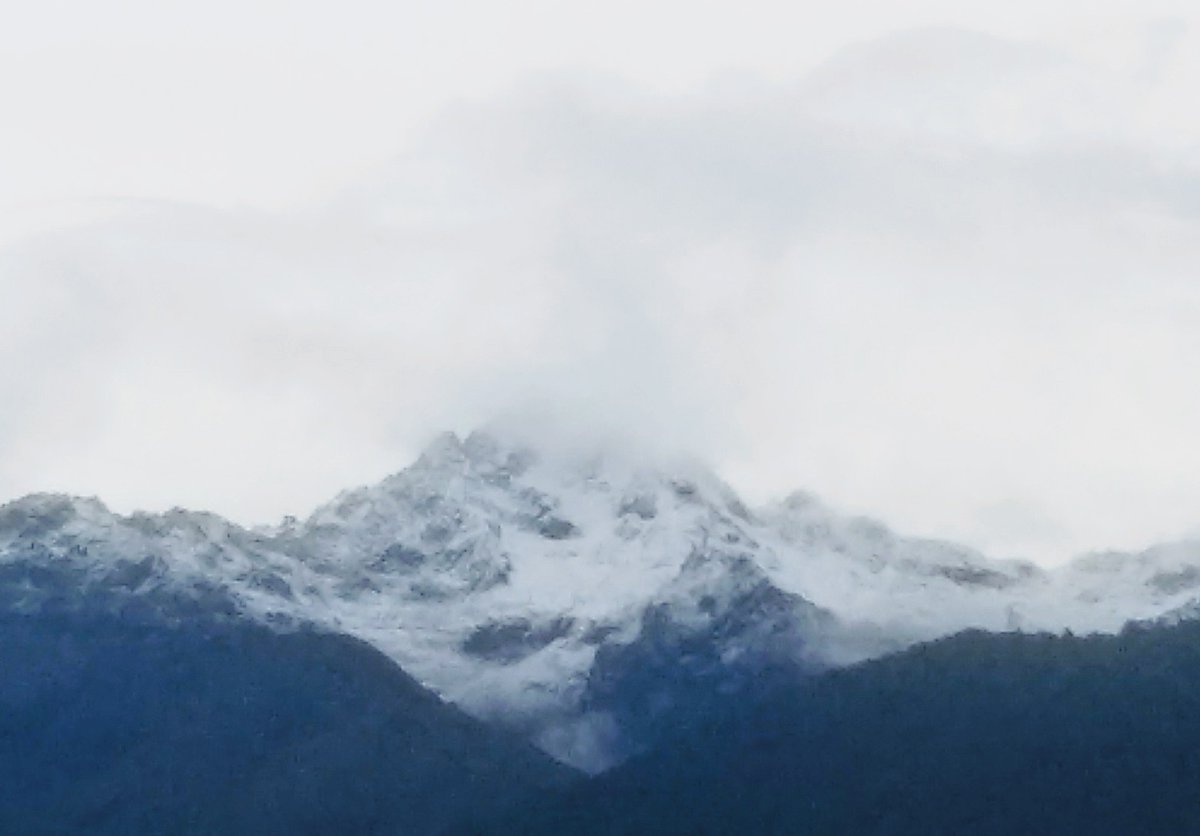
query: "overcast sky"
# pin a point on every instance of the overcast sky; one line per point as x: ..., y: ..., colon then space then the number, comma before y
x: 934, y: 261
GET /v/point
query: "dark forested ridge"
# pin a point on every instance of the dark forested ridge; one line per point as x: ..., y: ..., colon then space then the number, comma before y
x: 978, y: 733
x: 134, y: 712
x: 137, y: 716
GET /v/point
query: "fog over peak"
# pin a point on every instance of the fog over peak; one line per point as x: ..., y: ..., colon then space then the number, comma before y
x: 945, y: 279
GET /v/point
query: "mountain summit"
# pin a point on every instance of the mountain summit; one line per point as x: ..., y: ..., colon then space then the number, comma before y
x: 584, y: 597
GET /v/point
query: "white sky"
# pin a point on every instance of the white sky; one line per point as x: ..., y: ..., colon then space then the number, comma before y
x: 936, y: 261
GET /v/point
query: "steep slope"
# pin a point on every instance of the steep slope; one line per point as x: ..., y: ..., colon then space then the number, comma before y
x: 720, y: 631
x: 494, y: 577
x: 978, y: 733
x: 168, y: 713
x: 1161, y: 582
x: 511, y: 571
x: 586, y: 597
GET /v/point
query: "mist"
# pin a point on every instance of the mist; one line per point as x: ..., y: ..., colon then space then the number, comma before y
x: 944, y: 278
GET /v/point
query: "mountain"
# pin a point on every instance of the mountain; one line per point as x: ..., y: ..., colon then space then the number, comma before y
x: 126, y: 708
x: 977, y: 733
x: 588, y: 598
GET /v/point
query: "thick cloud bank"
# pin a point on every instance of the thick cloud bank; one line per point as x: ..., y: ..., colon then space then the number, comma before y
x: 945, y: 278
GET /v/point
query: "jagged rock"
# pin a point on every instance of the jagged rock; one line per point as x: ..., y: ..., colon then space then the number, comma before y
x: 557, y: 590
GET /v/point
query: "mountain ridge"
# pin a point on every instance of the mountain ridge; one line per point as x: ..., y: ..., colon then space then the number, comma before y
x: 528, y: 585
x: 128, y: 712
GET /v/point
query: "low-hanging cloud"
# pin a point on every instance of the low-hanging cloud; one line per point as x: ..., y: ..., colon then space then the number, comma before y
x: 942, y: 275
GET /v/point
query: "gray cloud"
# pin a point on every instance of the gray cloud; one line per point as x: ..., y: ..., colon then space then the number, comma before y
x: 941, y: 272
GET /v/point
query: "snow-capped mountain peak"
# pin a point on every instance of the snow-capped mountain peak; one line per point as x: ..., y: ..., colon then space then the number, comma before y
x: 532, y: 583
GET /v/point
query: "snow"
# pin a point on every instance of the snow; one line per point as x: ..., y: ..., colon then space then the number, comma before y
x: 486, y: 531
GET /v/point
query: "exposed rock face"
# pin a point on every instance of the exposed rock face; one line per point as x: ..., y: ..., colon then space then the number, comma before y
x: 505, y: 642
x: 568, y: 593
x: 721, y: 628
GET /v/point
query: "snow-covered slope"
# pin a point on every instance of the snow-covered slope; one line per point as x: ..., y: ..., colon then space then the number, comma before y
x: 537, y: 586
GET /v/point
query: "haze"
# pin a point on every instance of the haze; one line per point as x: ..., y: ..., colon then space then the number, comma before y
x: 935, y: 263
